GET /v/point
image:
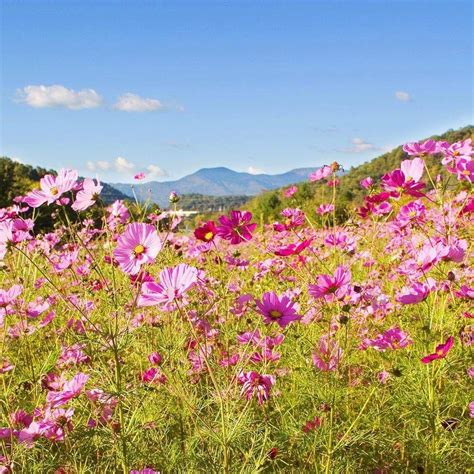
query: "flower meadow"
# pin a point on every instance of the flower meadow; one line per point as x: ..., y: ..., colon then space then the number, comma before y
x: 129, y: 345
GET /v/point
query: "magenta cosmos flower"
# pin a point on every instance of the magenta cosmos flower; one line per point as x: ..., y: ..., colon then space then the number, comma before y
x: 332, y: 286
x: 173, y: 285
x: 236, y: 227
x: 87, y: 196
x: 52, y: 188
x: 367, y: 183
x: 275, y: 309
x: 420, y: 149
x: 139, y: 244
x: 256, y: 384
x: 440, y: 351
x: 206, y: 232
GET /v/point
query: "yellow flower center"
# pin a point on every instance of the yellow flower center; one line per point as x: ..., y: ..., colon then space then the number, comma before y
x: 208, y: 236
x: 275, y: 314
x: 54, y: 191
x: 466, y: 172
x: 139, y: 249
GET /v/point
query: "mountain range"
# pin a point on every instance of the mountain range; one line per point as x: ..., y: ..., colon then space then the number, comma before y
x: 218, y: 181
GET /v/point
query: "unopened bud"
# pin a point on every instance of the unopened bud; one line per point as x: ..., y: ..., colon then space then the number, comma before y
x: 174, y: 198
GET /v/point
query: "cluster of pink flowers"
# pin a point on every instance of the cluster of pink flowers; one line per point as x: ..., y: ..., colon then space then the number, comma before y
x: 99, y: 318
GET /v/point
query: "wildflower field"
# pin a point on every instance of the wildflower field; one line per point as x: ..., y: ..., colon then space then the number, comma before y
x: 129, y: 345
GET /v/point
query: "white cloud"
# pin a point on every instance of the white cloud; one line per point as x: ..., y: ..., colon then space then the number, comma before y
x: 122, y: 165
x: 253, y: 170
x: 58, y: 96
x: 403, y: 96
x: 17, y: 160
x: 154, y: 171
x: 103, y: 165
x: 133, y: 103
x: 359, y: 145
x: 98, y: 165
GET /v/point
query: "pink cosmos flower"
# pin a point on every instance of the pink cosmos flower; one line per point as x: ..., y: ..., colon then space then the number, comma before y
x: 457, y: 150
x: 327, y: 355
x: 139, y: 176
x: 471, y: 409
x: 294, y: 218
x: 257, y: 384
x: 288, y: 192
x: 52, y: 188
x: 237, y: 227
x: 6, y: 235
x: 117, y: 213
x: 325, y: 209
x: 416, y: 293
x: 383, y: 377
x: 320, y: 173
x: 173, y: 285
x: 465, y: 292
x: 280, y: 310
x: 465, y: 169
x: 414, y: 212
x: 413, y: 169
x: 155, y: 358
x: 9, y: 296
x: 367, y: 183
x: 73, y: 355
x: 332, y: 286
x: 440, y: 351
x: 87, y: 196
x: 340, y: 240
x: 420, y: 149
x: 393, y: 338
x: 139, y: 244
x: 69, y: 391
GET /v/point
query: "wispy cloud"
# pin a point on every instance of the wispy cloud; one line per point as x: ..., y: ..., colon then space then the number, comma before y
x: 253, y: 170
x: 360, y: 145
x: 154, y: 171
x: 58, y: 96
x: 124, y: 166
x: 120, y: 164
x: 403, y: 96
x: 134, y: 103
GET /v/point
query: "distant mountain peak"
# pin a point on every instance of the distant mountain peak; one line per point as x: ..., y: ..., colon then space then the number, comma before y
x: 217, y: 181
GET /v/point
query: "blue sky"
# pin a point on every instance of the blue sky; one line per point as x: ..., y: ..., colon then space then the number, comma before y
x: 170, y: 87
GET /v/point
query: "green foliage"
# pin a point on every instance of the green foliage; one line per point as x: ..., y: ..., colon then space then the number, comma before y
x: 204, y: 203
x: 17, y: 179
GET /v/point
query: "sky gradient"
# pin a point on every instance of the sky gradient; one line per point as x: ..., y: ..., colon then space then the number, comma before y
x: 171, y: 87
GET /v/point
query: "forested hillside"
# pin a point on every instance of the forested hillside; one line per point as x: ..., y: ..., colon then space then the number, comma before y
x: 267, y: 206
x: 16, y: 179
